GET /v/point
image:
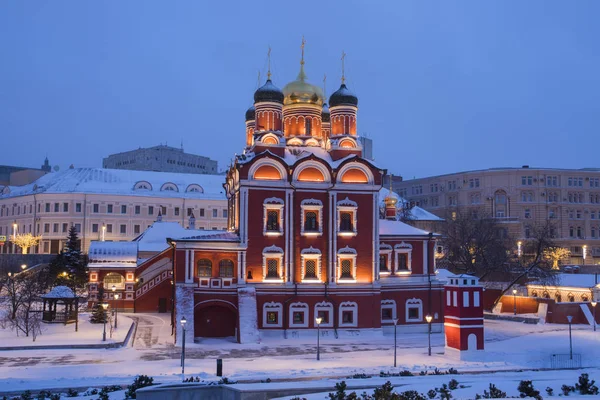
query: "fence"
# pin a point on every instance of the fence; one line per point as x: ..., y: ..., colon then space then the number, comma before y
x: 562, y: 361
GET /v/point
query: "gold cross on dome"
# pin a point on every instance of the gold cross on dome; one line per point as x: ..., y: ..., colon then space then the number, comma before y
x: 343, y: 73
x: 302, y: 47
x: 269, y: 71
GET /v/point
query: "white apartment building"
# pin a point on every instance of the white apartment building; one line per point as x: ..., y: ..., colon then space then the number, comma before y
x: 107, y: 204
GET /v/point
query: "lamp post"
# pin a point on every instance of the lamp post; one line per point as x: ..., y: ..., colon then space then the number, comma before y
x: 593, y: 303
x: 515, y: 301
x: 395, y: 339
x: 183, y: 322
x: 103, y: 237
x: 104, y: 307
x: 15, y: 230
x: 570, y: 318
x: 23, y: 267
x: 429, y: 318
x: 318, y: 320
x: 116, y: 310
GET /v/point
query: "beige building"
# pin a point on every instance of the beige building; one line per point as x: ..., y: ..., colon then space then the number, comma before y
x: 520, y: 198
x: 106, y: 204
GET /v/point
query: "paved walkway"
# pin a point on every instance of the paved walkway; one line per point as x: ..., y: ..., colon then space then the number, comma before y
x: 153, y: 330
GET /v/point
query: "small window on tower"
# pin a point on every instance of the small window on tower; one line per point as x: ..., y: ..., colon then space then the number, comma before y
x: 308, y: 127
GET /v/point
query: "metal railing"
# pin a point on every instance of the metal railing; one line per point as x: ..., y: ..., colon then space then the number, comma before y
x: 563, y: 361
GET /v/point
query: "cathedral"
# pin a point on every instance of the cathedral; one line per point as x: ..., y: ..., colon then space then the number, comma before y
x: 312, y: 237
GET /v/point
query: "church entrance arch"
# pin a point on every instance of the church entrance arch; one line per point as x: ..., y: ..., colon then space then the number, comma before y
x: 215, y: 319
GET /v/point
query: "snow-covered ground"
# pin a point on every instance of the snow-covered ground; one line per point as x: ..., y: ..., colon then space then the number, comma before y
x: 509, y: 346
x: 59, y: 334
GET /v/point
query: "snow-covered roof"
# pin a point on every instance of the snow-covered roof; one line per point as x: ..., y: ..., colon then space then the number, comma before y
x: 398, y: 228
x: 124, y: 182
x: 443, y: 274
x: 569, y: 280
x: 60, y: 292
x: 155, y: 237
x: 110, y: 252
x: 217, y: 236
x: 416, y: 213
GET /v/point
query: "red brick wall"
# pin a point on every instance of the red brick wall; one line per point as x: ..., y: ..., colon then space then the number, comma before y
x: 525, y: 305
x: 148, y: 302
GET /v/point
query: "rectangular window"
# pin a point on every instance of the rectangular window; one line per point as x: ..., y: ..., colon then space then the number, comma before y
x: 94, y: 228
x: 346, y: 222
x: 138, y: 209
x: 109, y: 208
x: 311, y: 223
x: 455, y: 299
x: 527, y: 213
x: 324, y: 315
x: 95, y: 208
x: 55, y: 228
x: 448, y: 300
x: 346, y: 269
x: 402, y: 262
x: 347, y: 317
x: 163, y: 210
x: 65, y: 207
x: 47, y: 209
x: 383, y: 263
x: 123, y: 209
x: 298, y: 317
x: 65, y: 227
x: 150, y: 210
x: 272, y: 268
x: 78, y: 228
x: 215, y: 213
x: 527, y: 180
x: 78, y: 207
x: 56, y: 207
x: 224, y: 213
x: 136, y: 229
x: 202, y: 212
x: 109, y: 228
x: 273, y: 221
x: 46, y: 228
x: 465, y: 299
x: 413, y: 313
x: 272, y: 317
x: 310, y: 269
x: 475, y: 299
x: 387, y: 313
x: 176, y: 211
x: 123, y: 229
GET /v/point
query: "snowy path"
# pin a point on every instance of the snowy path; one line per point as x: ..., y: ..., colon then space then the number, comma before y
x: 509, y: 346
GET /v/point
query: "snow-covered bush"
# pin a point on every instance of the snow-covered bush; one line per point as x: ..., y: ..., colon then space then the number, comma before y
x: 139, y: 382
x: 526, y: 389
x: 566, y: 389
x: 584, y: 386
x: 494, y: 393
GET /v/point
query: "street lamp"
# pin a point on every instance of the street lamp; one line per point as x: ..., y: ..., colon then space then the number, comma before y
x: 103, y: 232
x: 395, y: 339
x: 515, y: 301
x: 593, y: 303
x: 183, y: 322
x: 104, y: 307
x: 570, y: 318
x: 15, y: 230
x: 519, y: 248
x: 318, y: 320
x: 429, y: 318
x: 116, y: 310
x: 23, y: 266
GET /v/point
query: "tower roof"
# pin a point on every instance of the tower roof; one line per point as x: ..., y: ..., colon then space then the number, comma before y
x: 268, y: 93
x: 343, y: 96
x: 250, y: 113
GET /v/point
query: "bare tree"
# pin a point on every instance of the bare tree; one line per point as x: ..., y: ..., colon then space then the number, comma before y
x: 474, y: 243
x: 25, y: 241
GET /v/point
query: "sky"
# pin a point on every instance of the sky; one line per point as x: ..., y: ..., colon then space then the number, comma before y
x: 442, y: 86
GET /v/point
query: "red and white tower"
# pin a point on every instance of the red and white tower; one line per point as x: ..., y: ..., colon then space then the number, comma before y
x: 463, y: 315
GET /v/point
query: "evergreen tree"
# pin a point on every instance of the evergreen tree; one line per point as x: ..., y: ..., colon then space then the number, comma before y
x: 99, y: 314
x: 69, y: 266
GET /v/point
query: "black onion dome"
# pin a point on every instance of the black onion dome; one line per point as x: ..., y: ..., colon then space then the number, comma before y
x: 343, y: 96
x: 268, y: 92
x: 250, y: 114
x: 325, y: 114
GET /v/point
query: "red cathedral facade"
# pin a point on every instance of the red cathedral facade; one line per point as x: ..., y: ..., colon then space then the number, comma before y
x: 307, y: 235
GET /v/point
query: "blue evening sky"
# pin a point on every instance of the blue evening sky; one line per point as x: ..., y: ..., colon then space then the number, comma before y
x: 443, y: 86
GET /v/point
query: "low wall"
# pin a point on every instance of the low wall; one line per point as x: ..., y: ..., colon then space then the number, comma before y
x: 13, y: 262
x: 557, y: 312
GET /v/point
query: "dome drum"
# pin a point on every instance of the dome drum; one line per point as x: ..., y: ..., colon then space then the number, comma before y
x: 268, y: 117
x: 302, y: 121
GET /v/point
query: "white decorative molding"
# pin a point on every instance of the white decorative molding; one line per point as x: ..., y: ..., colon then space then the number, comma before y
x: 310, y: 254
x: 356, y: 165
x: 347, y: 203
x: 388, y: 304
x: 348, y: 306
x: 324, y: 306
x: 414, y: 303
x: 314, y: 205
x: 403, y: 248
x: 273, y: 252
x: 312, y: 164
x: 273, y: 204
x: 272, y: 307
x: 346, y: 253
x: 271, y: 162
x: 298, y: 307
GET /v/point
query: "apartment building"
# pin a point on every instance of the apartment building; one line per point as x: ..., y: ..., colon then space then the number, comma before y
x: 519, y: 198
x: 107, y: 204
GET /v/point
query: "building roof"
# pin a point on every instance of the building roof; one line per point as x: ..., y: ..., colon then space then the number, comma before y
x: 586, y: 281
x: 417, y: 213
x: 109, y: 252
x: 124, y: 182
x: 155, y: 237
x: 60, y: 292
x: 398, y: 228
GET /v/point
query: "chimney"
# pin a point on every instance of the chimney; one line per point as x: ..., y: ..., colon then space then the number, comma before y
x: 391, y: 203
x: 192, y: 221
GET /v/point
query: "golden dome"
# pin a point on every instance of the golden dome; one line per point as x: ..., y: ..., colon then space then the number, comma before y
x: 300, y: 91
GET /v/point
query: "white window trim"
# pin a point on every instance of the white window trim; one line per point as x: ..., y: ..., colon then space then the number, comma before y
x: 466, y: 302
x: 403, y: 248
x: 347, y: 205
x: 311, y: 205
x: 299, y: 307
x: 324, y: 306
x: 411, y: 303
x: 348, y: 306
x: 273, y: 203
x: 387, y: 250
x: 311, y: 254
x: 272, y: 306
x: 476, y: 300
x: 346, y: 253
x: 390, y: 304
x: 448, y: 298
x: 273, y: 252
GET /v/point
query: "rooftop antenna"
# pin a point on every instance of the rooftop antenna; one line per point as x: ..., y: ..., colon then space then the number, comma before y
x: 181, y: 144
x: 343, y: 69
x: 269, y: 57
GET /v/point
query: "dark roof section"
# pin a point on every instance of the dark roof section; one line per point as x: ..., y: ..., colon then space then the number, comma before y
x: 325, y: 114
x: 343, y: 96
x: 268, y: 92
x: 250, y: 114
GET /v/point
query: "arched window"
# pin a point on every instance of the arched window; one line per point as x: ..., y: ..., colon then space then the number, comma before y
x: 355, y: 175
x: 113, y: 279
x: 204, y: 268
x: 142, y: 185
x: 226, y: 268
x: 311, y: 174
x: 169, y: 187
x: 584, y: 297
x: 267, y: 173
x: 546, y: 295
x: 558, y: 297
x: 534, y: 293
x: 194, y: 188
x: 270, y: 140
x: 308, y: 127
x: 571, y: 297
